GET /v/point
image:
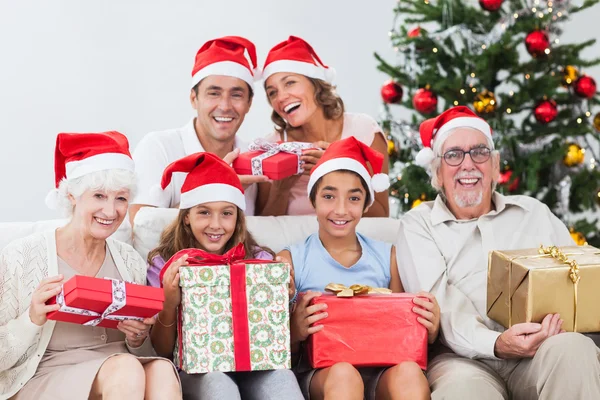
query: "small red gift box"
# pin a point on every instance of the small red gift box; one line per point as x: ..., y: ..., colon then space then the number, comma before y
x: 84, y: 299
x: 368, y: 331
x: 274, y: 160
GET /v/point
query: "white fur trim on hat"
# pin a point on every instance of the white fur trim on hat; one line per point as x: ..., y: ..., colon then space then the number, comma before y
x: 299, y: 67
x: 424, y: 157
x: 226, y: 68
x: 51, y: 199
x: 99, y: 162
x: 380, y: 182
x: 336, y: 164
x: 212, y: 192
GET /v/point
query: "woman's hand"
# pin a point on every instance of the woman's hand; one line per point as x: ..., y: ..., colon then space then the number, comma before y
x: 311, y: 157
x: 304, y: 316
x: 48, y: 288
x: 135, y: 331
x: 171, y: 283
x: 428, y: 312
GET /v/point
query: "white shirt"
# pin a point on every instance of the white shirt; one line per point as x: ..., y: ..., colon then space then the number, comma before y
x: 159, y: 149
x: 449, y: 258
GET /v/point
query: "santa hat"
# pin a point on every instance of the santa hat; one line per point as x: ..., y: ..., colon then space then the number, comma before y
x: 297, y: 56
x: 78, y: 154
x: 225, y: 56
x: 208, y: 179
x: 436, y: 130
x: 352, y: 155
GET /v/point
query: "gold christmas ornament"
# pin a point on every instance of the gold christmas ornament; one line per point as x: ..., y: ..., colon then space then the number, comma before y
x: 391, y: 147
x: 417, y: 202
x: 597, y: 122
x: 485, y: 102
x: 575, y: 155
x: 578, y: 237
x: 570, y: 75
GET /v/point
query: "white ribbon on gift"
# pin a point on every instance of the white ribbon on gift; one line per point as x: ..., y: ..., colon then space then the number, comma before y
x: 270, y: 149
x: 119, y: 296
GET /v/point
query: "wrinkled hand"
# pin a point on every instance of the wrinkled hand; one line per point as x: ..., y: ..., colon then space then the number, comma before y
x: 135, y: 331
x: 311, y: 157
x: 523, y: 340
x: 171, y: 283
x: 48, y: 288
x: 429, y: 314
x: 304, y: 317
x: 292, y: 285
x: 246, y: 180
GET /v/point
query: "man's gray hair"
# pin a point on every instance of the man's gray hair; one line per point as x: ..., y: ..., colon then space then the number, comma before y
x: 107, y: 180
x: 437, y: 161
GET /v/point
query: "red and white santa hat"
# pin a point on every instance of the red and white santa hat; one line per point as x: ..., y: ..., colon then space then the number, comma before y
x: 436, y: 130
x: 352, y: 155
x: 208, y: 179
x: 297, y: 56
x: 226, y: 56
x: 78, y: 154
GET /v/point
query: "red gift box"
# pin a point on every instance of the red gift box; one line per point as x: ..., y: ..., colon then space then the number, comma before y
x: 368, y: 331
x: 96, y: 295
x: 275, y: 160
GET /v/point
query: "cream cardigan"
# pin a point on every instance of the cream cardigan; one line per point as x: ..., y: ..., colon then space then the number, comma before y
x: 23, y: 264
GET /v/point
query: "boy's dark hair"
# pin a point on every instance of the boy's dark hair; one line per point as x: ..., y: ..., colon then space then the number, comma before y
x: 250, y: 91
x: 313, y: 192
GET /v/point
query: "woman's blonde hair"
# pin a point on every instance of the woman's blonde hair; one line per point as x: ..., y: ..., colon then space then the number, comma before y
x: 325, y: 97
x: 178, y: 236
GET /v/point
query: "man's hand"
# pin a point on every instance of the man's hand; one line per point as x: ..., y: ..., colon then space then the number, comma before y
x: 523, y: 340
x: 246, y: 180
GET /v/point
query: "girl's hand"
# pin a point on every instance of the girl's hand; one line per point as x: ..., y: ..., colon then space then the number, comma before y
x: 48, y: 288
x: 428, y: 312
x: 135, y: 331
x: 171, y: 283
x: 304, y: 316
x: 311, y: 157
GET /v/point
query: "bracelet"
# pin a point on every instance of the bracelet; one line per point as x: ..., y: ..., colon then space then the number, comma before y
x: 160, y: 322
x: 294, y: 298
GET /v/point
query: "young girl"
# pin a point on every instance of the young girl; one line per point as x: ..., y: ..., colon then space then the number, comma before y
x: 211, y: 218
x: 341, y: 189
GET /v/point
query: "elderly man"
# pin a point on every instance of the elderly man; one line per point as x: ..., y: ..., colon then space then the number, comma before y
x: 443, y: 247
x: 221, y: 95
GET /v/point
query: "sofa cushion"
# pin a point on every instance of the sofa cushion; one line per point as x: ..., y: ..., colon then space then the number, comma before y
x: 273, y: 232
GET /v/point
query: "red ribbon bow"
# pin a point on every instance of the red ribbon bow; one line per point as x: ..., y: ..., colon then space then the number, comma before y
x: 239, y: 304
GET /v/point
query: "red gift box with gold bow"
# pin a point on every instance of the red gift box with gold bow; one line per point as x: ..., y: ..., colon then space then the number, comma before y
x: 370, y: 330
x: 93, y: 301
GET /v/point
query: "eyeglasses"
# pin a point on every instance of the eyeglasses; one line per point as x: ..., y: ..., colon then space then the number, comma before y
x: 455, y: 157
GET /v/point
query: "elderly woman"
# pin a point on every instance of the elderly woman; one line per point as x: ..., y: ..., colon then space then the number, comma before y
x: 42, y: 359
x: 307, y: 109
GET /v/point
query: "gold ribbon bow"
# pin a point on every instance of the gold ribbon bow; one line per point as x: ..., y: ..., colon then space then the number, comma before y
x: 350, y: 291
x: 556, y: 253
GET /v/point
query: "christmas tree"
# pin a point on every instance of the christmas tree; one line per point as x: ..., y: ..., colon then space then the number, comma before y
x: 504, y: 59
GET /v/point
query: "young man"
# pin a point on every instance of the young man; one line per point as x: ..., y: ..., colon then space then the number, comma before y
x: 221, y: 95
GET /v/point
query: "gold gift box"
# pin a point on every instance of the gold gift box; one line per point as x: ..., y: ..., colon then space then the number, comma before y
x: 525, y: 286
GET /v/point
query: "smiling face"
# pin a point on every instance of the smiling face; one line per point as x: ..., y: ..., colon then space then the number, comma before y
x: 99, y: 213
x: 467, y: 186
x: 221, y: 103
x: 339, y: 200
x: 292, y: 96
x: 213, y: 224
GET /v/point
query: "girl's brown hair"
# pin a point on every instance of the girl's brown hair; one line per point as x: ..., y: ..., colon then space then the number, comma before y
x: 325, y: 97
x: 178, y: 236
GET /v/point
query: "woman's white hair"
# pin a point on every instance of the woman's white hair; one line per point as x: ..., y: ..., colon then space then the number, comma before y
x: 437, y: 161
x: 111, y: 180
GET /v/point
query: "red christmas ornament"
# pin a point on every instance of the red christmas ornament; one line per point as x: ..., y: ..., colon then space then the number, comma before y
x: 505, y: 178
x: 537, y: 42
x: 391, y: 92
x: 545, y: 111
x: 425, y: 101
x: 491, y: 5
x: 413, y: 33
x: 585, y: 87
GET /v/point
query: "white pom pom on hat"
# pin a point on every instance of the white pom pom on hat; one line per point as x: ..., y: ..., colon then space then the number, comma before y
x: 424, y: 157
x: 380, y: 182
x: 51, y: 199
